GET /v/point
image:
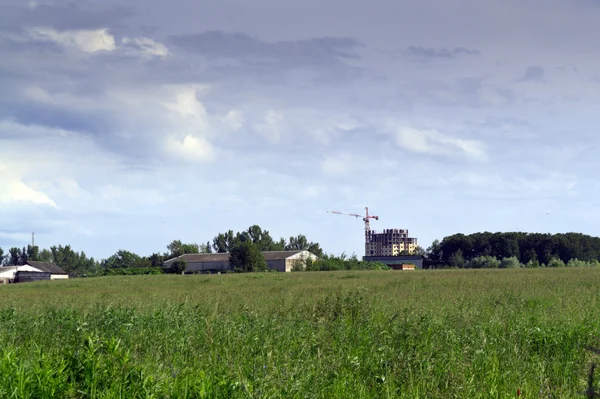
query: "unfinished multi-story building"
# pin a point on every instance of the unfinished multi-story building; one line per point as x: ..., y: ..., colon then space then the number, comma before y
x: 390, y: 242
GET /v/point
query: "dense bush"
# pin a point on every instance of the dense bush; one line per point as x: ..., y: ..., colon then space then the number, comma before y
x: 556, y: 263
x: 510, y: 263
x: 332, y: 262
x: 483, y: 262
x: 133, y: 271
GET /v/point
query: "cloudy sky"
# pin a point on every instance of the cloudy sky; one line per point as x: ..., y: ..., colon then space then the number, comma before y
x: 130, y: 123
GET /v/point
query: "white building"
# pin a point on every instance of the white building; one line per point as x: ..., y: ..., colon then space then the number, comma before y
x: 8, y: 274
x: 282, y: 261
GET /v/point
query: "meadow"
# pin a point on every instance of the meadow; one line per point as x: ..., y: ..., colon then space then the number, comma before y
x: 369, y: 334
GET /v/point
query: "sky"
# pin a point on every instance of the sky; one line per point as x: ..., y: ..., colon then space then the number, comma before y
x: 128, y: 124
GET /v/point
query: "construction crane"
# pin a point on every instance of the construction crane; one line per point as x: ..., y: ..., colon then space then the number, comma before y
x: 366, y: 218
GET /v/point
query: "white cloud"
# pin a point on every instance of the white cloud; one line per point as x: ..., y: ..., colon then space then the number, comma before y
x: 69, y: 187
x: 234, y: 120
x: 433, y: 142
x: 17, y: 191
x: 272, y: 126
x: 14, y: 190
x: 184, y: 104
x: 330, y: 128
x: 112, y: 192
x: 147, y: 46
x: 89, y: 41
x: 336, y: 166
x: 191, y: 149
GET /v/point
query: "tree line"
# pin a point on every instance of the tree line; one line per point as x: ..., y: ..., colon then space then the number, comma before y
x: 516, y: 249
x: 479, y: 250
x: 250, y: 241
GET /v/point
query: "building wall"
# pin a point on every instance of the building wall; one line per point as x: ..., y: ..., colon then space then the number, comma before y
x: 29, y: 277
x: 396, y: 261
x: 279, y: 265
x: 288, y: 264
x: 390, y: 242
x: 12, y: 271
x: 193, y: 267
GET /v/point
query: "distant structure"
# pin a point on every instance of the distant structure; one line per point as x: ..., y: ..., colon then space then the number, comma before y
x: 31, y: 271
x: 281, y: 261
x: 390, y: 242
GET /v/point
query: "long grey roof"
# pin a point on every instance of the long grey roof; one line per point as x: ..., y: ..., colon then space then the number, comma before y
x: 224, y: 257
x: 47, y: 267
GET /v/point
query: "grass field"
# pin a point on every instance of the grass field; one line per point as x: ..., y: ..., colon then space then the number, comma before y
x: 385, y: 334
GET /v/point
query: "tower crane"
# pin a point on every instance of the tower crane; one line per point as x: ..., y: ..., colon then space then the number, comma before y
x: 366, y: 218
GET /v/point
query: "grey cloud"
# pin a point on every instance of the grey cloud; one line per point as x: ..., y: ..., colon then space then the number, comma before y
x: 318, y: 51
x: 533, y: 74
x: 497, y: 122
x: 424, y: 53
x: 468, y: 91
x: 62, y: 17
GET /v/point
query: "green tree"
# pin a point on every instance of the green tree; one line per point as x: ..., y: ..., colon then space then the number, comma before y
x: 178, y: 266
x: 45, y: 255
x: 205, y: 248
x: 247, y: 257
x: 577, y: 263
x: 456, y: 259
x: 224, y: 242
x: 121, y: 260
x: 510, y: 263
x: 14, y: 256
x: 530, y: 256
x: 301, y: 243
x: 177, y: 248
x: 483, y: 262
x: 156, y: 260
x: 420, y: 251
x: 433, y: 254
x: 72, y: 262
x: 556, y: 262
x: 33, y: 253
x: 1, y: 256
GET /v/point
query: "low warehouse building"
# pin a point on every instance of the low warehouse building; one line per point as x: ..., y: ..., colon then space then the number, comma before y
x: 10, y: 274
x: 56, y: 273
x: 282, y: 261
x: 399, y: 262
x: 198, y: 263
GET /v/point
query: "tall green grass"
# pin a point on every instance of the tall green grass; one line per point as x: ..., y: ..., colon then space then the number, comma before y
x: 439, y: 334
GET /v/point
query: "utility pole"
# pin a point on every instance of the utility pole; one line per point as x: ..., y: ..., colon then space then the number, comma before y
x: 33, y: 239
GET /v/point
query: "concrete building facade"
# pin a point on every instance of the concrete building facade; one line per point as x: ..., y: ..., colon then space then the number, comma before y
x: 390, y: 242
x: 282, y: 261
